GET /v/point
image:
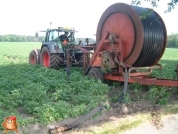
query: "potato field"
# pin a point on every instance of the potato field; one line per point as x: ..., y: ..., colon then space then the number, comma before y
x: 37, y: 94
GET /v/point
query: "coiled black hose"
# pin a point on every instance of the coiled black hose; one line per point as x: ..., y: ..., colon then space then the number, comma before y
x: 153, y: 37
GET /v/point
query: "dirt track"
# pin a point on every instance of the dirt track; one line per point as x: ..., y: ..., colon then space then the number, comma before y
x: 169, y: 125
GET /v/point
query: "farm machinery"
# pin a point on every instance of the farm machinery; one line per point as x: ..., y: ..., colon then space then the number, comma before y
x: 53, y: 52
x: 128, y: 47
x: 125, y: 42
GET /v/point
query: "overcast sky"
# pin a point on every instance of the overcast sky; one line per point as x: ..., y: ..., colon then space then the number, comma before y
x: 24, y: 17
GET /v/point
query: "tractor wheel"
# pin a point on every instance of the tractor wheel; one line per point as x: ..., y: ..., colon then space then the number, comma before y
x: 49, y: 60
x: 34, y: 57
x: 96, y: 73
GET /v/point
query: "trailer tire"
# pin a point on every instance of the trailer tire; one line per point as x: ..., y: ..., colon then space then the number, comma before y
x: 48, y: 59
x: 34, y: 57
x: 96, y: 73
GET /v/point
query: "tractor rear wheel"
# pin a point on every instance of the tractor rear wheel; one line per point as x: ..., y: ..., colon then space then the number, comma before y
x: 34, y: 57
x: 96, y: 73
x: 48, y: 59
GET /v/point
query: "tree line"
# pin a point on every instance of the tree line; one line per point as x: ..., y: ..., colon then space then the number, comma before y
x: 20, y: 38
x: 172, y: 39
x: 23, y: 38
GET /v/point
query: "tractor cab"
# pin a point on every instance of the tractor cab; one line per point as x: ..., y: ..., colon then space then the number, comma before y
x: 53, y: 35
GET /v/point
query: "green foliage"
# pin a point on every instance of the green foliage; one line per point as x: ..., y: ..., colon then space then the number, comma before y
x: 116, y: 84
x: 171, y: 5
x: 47, y: 94
x: 146, y: 13
x: 172, y: 41
x: 23, y: 38
x: 168, y: 61
x: 44, y: 93
x: 155, y: 3
x: 158, y: 95
x: 136, y: 87
x: 127, y: 99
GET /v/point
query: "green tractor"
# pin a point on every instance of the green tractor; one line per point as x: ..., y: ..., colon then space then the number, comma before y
x: 53, y: 50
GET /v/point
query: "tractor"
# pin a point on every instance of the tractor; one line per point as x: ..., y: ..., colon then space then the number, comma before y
x: 53, y: 52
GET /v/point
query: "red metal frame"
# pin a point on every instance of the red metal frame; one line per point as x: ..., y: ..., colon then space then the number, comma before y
x: 144, y: 80
x: 141, y: 77
x: 134, y: 77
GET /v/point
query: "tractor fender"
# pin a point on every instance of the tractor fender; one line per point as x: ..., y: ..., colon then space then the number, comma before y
x: 52, y: 48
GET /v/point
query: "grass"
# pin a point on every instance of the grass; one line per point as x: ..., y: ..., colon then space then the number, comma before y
x: 46, y: 95
x: 171, y: 108
x: 16, y: 53
x: 168, y: 61
x: 123, y: 127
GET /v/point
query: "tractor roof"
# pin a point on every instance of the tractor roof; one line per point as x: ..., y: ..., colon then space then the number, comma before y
x: 61, y: 29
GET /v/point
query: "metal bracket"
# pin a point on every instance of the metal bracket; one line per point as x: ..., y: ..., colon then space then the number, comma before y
x: 111, y: 39
x: 107, y: 61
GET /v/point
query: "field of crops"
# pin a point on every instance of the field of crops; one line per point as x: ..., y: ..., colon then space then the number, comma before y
x: 46, y: 94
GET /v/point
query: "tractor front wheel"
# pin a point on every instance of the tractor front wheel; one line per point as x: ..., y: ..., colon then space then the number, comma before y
x: 34, y: 57
x: 48, y: 59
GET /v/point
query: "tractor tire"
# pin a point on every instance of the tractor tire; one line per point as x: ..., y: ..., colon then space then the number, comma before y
x: 96, y: 74
x: 34, y: 57
x: 48, y: 59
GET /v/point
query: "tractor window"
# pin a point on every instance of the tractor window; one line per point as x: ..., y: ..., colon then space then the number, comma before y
x: 71, y: 36
x: 61, y: 33
x: 53, y: 36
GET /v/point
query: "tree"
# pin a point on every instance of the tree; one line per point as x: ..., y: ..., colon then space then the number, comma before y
x: 12, y: 38
x: 154, y: 3
x: 172, y: 41
x: 6, y: 38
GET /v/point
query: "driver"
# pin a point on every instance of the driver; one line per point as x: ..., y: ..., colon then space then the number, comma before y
x: 64, y: 37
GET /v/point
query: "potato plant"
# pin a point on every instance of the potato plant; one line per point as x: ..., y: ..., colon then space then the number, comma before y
x: 49, y: 95
x: 44, y: 93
